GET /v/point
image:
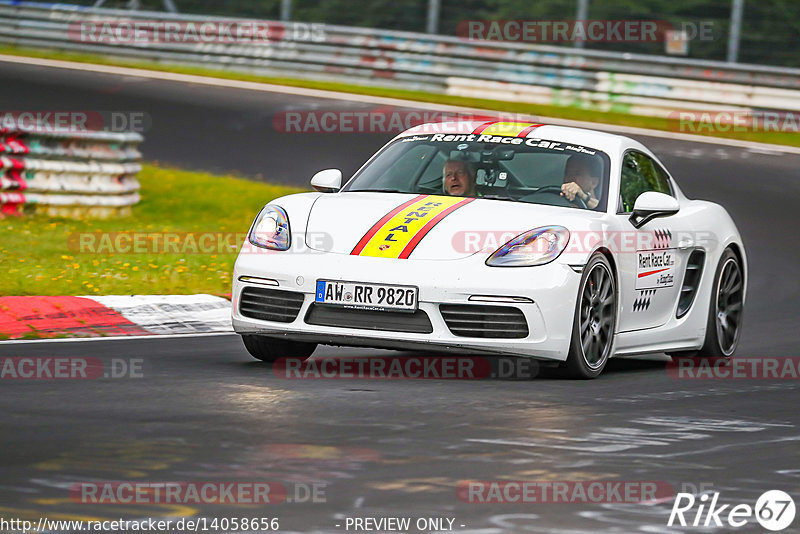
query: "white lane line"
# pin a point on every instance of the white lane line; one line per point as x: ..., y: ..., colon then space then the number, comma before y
x: 351, y: 97
x: 111, y: 338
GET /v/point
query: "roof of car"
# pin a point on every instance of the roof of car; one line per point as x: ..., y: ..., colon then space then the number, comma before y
x: 591, y: 138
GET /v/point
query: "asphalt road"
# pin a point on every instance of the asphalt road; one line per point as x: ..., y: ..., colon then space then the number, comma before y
x: 204, y: 410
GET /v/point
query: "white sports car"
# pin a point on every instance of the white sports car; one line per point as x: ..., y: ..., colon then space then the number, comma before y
x: 547, y: 242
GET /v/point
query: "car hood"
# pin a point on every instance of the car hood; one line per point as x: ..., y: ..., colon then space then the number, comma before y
x: 360, y: 222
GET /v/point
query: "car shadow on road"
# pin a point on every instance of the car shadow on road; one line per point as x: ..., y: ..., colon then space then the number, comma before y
x: 424, y: 365
x: 619, y: 366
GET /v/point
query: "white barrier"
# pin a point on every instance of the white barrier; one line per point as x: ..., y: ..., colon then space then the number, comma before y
x: 629, y: 83
x: 606, y: 98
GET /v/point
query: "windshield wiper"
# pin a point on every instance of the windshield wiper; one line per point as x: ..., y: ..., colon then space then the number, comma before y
x: 497, y: 197
x: 377, y: 191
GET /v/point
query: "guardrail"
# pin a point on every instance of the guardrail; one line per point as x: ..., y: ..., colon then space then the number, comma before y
x: 632, y: 83
x: 68, y: 174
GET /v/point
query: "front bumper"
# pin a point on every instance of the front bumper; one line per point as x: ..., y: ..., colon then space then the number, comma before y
x: 553, y: 289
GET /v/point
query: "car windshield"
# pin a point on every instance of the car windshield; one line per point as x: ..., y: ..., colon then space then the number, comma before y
x: 489, y: 166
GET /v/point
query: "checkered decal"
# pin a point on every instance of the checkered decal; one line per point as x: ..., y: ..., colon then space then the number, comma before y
x: 642, y: 302
x: 663, y: 238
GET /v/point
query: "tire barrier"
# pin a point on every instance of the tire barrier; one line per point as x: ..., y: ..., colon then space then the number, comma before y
x: 68, y: 174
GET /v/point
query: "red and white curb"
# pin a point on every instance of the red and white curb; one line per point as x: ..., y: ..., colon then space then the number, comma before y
x: 111, y: 315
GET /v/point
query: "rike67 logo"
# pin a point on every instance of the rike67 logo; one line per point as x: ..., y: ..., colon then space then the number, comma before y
x: 774, y: 510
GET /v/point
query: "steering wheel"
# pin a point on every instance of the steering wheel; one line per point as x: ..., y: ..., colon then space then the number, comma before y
x: 556, y: 190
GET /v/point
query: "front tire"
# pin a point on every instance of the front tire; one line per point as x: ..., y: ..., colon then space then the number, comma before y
x: 269, y: 349
x: 595, y: 320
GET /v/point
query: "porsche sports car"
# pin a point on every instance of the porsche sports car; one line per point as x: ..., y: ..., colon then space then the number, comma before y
x: 547, y: 242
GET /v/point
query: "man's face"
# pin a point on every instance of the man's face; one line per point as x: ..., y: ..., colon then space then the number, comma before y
x: 457, y: 179
x: 579, y: 172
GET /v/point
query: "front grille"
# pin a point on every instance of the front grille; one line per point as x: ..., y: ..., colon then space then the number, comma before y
x: 691, y: 281
x: 270, y: 304
x: 468, y: 320
x: 388, y: 321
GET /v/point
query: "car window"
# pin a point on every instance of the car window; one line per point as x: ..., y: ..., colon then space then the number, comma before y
x: 431, y: 179
x: 640, y: 174
x: 500, y: 167
x: 538, y: 168
x: 403, y: 171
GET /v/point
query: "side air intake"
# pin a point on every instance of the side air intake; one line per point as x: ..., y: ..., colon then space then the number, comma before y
x: 691, y: 281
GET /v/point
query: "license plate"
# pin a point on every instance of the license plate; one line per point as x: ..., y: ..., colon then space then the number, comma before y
x: 362, y: 296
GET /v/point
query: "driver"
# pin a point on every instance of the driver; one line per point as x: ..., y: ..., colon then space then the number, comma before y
x: 458, y: 178
x: 582, y: 179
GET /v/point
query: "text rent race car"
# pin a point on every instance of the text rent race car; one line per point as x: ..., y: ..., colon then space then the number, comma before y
x: 509, y: 265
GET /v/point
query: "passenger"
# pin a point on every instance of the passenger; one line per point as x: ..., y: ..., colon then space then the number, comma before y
x: 582, y: 179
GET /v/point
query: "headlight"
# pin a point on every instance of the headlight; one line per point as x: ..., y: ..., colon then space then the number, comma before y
x: 535, y: 247
x: 271, y: 229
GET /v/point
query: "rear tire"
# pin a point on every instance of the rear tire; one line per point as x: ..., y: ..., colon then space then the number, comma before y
x: 725, y: 310
x: 724, y: 323
x: 595, y: 320
x: 269, y: 349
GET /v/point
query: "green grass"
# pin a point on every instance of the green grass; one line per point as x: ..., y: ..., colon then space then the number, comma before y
x: 42, y: 256
x: 573, y: 112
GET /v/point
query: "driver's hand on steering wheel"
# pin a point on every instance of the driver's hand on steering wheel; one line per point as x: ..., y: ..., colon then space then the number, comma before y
x: 571, y: 190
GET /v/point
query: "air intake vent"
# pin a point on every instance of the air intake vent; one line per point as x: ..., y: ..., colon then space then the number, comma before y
x: 467, y: 320
x: 387, y: 321
x: 270, y: 304
x: 691, y: 281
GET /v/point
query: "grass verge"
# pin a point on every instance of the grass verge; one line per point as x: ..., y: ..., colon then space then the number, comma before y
x: 43, y: 256
x: 572, y: 112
